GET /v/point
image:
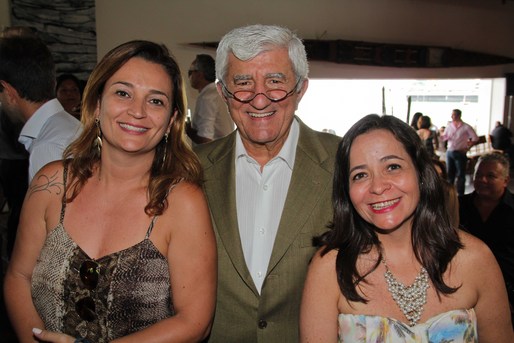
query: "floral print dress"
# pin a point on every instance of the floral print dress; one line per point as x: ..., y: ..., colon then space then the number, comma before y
x: 456, y: 326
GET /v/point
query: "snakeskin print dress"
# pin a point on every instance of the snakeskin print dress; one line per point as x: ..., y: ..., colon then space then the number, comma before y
x: 132, y: 291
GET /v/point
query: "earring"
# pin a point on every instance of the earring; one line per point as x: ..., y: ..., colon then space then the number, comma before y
x: 98, y: 139
x: 165, y: 148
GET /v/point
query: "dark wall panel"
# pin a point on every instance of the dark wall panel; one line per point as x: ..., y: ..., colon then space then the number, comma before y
x: 68, y: 27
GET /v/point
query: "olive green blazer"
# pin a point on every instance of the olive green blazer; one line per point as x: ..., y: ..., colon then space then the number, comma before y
x: 242, y: 315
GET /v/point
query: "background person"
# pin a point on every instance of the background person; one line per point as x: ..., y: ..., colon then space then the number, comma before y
x: 116, y: 240
x: 460, y: 137
x: 392, y: 268
x: 210, y: 119
x: 428, y: 136
x: 414, y: 123
x: 450, y: 193
x: 27, y: 94
x: 443, y: 145
x: 69, y: 93
x: 268, y: 186
x: 500, y: 139
x: 488, y: 213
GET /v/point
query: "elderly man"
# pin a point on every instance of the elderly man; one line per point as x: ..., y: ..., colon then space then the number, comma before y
x: 488, y: 213
x: 268, y: 185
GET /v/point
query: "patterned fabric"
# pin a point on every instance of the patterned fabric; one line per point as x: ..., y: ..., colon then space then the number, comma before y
x: 133, y: 289
x: 457, y: 326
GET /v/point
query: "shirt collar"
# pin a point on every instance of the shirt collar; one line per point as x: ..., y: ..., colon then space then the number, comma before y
x: 208, y: 88
x: 33, y: 126
x: 287, y: 153
x: 506, y: 199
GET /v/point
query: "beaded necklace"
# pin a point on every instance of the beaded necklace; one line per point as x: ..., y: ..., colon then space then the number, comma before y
x: 411, y: 298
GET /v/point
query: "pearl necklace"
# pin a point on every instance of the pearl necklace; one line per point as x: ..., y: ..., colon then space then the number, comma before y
x: 411, y: 298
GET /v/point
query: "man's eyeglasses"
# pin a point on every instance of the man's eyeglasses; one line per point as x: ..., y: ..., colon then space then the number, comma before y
x: 190, y: 71
x: 89, y: 273
x: 245, y: 96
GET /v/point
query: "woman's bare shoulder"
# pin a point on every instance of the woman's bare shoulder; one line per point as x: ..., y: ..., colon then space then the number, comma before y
x: 475, y: 255
x: 186, y: 200
x: 48, y: 180
x: 324, y: 260
x: 185, y: 192
x: 473, y: 247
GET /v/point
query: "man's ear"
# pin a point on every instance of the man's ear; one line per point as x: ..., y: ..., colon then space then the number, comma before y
x: 219, y: 87
x: 11, y: 94
x: 301, y: 92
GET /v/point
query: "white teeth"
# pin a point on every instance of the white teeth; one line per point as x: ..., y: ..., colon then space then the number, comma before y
x: 381, y: 205
x: 260, y: 115
x: 132, y: 128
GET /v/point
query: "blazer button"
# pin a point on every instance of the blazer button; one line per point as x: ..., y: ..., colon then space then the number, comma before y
x: 262, y: 324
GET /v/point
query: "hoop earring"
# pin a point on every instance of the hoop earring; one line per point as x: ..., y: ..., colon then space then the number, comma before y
x: 98, y: 139
x: 165, y: 148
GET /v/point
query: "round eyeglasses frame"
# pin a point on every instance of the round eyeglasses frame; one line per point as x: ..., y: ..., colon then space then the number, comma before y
x: 245, y: 101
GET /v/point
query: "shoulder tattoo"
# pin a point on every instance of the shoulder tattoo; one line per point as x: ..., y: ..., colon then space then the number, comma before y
x: 47, y: 183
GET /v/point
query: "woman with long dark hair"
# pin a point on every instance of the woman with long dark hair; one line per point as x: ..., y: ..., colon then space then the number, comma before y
x: 393, y: 268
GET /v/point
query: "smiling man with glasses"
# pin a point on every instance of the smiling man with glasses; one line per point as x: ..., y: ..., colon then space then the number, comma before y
x: 268, y: 185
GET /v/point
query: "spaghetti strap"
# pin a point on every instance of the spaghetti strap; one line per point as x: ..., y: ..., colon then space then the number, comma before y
x: 152, y: 223
x: 150, y: 228
x: 63, y: 201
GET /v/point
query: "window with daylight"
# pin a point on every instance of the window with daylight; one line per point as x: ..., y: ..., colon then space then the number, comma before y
x: 337, y: 104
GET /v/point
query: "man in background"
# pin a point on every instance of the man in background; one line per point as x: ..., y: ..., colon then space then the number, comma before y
x: 460, y: 137
x: 210, y: 119
x: 268, y: 185
x: 501, y: 138
x: 488, y: 213
x: 27, y: 94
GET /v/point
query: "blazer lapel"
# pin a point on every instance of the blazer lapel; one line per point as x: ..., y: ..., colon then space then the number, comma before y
x: 221, y: 192
x: 308, y: 181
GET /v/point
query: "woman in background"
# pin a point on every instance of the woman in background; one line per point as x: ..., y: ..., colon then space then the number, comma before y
x: 115, y: 242
x: 415, y: 119
x: 68, y: 92
x: 391, y: 229
x: 428, y: 136
x: 450, y: 192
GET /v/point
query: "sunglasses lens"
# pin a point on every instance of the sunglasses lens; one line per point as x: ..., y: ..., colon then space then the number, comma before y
x: 89, y: 271
x: 86, y: 309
